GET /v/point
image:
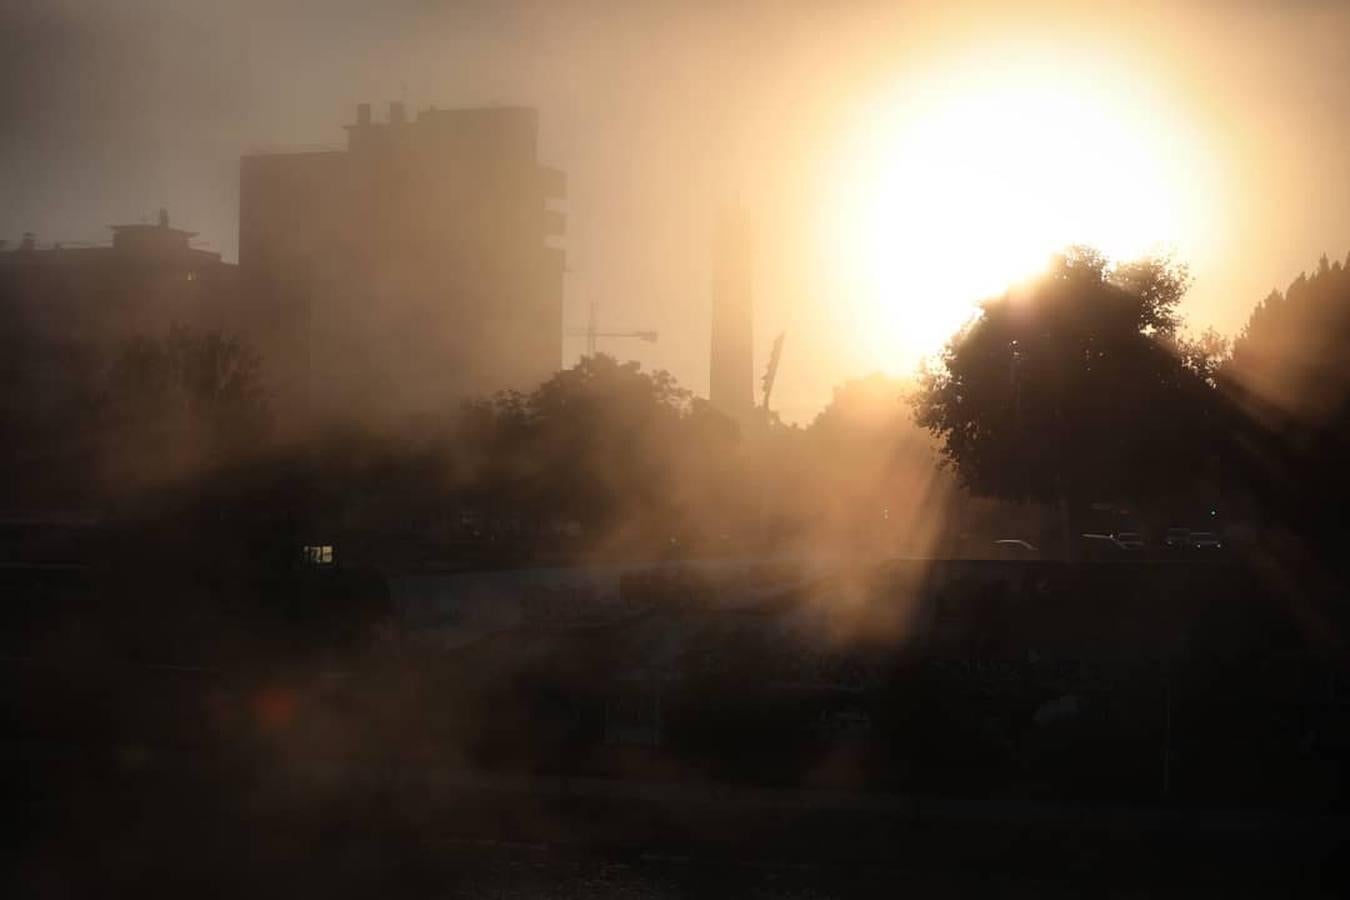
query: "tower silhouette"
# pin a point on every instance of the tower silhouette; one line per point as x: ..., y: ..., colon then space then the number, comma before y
x: 731, y: 373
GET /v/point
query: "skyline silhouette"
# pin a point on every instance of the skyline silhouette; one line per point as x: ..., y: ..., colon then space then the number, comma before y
x: 144, y: 112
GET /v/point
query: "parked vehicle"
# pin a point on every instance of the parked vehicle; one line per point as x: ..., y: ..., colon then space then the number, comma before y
x: 1015, y: 548
x: 1128, y: 540
x: 1205, y: 540
x: 1177, y: 538
x: 1099, y: 546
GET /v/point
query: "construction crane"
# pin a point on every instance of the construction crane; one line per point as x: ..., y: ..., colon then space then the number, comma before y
x: 771, y: 372
x: 592, y: 334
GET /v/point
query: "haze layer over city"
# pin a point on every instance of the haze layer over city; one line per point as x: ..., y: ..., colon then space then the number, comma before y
x: 1209, y: 128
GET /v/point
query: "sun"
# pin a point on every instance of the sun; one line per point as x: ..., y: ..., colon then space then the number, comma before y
x: 956, y: 185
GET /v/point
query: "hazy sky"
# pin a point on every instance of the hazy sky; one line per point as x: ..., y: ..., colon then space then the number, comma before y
x: 660, y: 113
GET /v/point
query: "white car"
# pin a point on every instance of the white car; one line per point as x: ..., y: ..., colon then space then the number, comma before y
x: 1205, y: 540
x: 1015, y: 548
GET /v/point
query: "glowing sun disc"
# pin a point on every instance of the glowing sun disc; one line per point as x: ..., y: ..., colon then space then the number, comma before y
x: 954, y: 188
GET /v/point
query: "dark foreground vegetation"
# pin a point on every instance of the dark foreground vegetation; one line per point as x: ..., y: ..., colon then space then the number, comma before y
x: 1183, y: 685
x: 1167, y: 726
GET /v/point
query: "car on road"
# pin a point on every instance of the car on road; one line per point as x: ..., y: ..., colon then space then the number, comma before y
x: 1177, y: 538
x: 1015, y: 548
x: 1128, y: 540
x: 1096, y: 545
x: 1205, y: 540
x: 1113, y: 545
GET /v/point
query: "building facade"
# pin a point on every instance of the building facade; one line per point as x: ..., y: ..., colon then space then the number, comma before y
x: 408, y: 272
x: 147, y: 279
x: 65, y: 313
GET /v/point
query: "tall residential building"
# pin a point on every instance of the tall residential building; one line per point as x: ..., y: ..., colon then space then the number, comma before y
x: 731, y: 373
x: 408, y: 271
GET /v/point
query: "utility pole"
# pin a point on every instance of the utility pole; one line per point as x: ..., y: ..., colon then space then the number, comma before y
x: 592, y: 333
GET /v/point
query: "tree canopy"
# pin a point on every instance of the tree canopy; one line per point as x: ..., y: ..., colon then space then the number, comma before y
x: 1287, y: 375
x: 1075, y: 386
x: 177, y: 403
x: 602, y: 445
x: 1291, y: 354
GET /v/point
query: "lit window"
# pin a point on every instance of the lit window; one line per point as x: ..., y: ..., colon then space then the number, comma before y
x: 318, y: 554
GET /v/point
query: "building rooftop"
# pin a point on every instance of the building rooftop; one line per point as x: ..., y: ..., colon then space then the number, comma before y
x: 141, y: 239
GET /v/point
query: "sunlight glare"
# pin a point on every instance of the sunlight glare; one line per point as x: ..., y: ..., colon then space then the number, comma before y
x: 954, y: 189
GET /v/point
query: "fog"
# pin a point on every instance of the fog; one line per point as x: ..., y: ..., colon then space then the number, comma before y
x: 630, y: 446
x: 658, y: 114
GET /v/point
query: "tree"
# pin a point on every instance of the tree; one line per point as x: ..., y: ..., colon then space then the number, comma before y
x: 618, y: 451
x: 1072, y: 389
x: 1288, y: 376
x: 1290, y: 356
x: 176, y: 404
x: 49, y: 437
x: 867, y: 473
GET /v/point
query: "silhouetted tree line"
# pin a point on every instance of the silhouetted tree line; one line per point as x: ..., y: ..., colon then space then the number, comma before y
x: 601, y: 449
x: 86, y: 423
x: 604, y: 460
x: 1289, y: 379
x: 1078, y: 386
